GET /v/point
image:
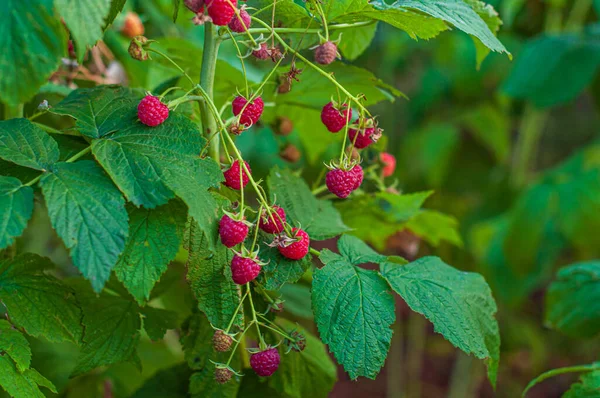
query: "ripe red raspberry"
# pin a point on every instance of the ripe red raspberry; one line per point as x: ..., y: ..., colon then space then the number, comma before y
x: 359, y: 175
x: 364, y: 137
x: 240, y: 26
x: 298, y: 249
x: 232, y: 176
x: 222, y: 376
x: 333, y: 118
x: 244, y: 269
x: 326, y: 53
x: 389, y: 163
x: 341, y: 182
x: 266, y: 362
x: 222, y: 341
x: 267, y: 224
x: 262, y: 53
x: 232, y: 232
x: 151, y: 111
x: 251, y: 113
x: 221, y: 11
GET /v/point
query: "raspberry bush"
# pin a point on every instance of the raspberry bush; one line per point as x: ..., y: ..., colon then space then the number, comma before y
x: 151, y: 166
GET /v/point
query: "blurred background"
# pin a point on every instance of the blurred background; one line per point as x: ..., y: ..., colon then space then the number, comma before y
x: 510, y: 148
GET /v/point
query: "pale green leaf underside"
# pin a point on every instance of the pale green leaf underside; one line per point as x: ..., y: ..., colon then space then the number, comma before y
x: 16, y: 207
x: 25, y: 144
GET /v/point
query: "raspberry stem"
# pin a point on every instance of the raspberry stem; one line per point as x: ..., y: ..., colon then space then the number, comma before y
x: 207, y: 80
x: 262, y: 344
x: 236, y: 312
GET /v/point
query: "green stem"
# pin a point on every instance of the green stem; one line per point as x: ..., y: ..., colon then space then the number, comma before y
x: 578, y: 14
x: 395, y: 365
x: 315, y: 252
x: 560, y: 371
x: 207, y: 80
x: 254, y: 320
x: 264, y: 325
x: 52, y: 130
x: 11, y: 112
x: 179, y: 68
x: 235, y: 313
x: 308, y: 31
x: 320, y: 189
x: 416, y: 348
x: 70, y: 160
x: 530, y: 133
x: 237, y: 343
x: 461, y: 376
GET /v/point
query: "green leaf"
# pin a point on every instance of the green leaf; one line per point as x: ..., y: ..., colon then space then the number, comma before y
x: 116, y: 6
x: 204, y: 385
x: 37, y: 51
x: 153, y: 242
x: 176, y: 5
x: 459, y: 304
x: 157, y: 321
x: 491, y: 127
x: 85, y: 20
x: 16, y: 207
x: 353, y: 311
x: 15, y: 345
x: 279, y: 270
x: 39, y: 303
x: 100, y: 110
x: 435, y: 227
x: 573, y: 300
x: 27, y: 145
x: 209, y: 275
x: 560, y: 371
x: 309, y: 373
x: 88, y: 213
x: 297, y: 300
x: 22, y: 385
x: 587, y: 386
x: 171, y: 382
x: 318, y: 217
x: 493, y: 22
x: 356, y: 41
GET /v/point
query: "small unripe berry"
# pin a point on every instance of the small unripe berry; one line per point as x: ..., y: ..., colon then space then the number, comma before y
x: 326, y: 53
x: 241, y: 24
x: 221, y: 341
x: 222, y: 376
x: 132, y: 26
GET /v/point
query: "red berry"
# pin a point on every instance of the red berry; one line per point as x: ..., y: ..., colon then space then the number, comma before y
x: 333, y: 118
x: 222, y: 375
x: 232, y: 232
x: 262, y: 53
x: 222, y: 341
x: 232, y: 176
x: 266, y: 362
x: 151, y: 111
x: 298, y: 249
x: 274, y: 224
x: 244, y: 269
x: 195, y: 5
x: 240, y: 26
x: 364, y: 137
x: 389, y: 163
x: 326, y: 53
x: 251, y: 113
x: 341, y: 182
x: 221, y: 11
x: 359, y: 175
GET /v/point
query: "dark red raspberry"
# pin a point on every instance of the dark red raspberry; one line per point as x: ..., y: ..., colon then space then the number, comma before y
x: 326, y: 53
x: 232, y: 176
x: 341, y: 182
x: 266, y: 362
x: 366, y: 137
x: 240, y: 26
x: 251, y: 113
x: 222, y: 376
x: 221, y: 11
x: 244, y: 269
x: 262, y: 53
x: 151, y: 111
x: 195, y: 5
x: 274, y: 224
x: 298, y: 249
x: 334, y: 119
x: 222, y: 341
x: 359, y: 175
x: 389, y: 164
x: 232, y: 232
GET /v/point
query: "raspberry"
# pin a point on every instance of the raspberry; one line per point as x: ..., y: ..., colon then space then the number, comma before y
x: 251, y: 113
x: 151, y: 111
x: 232, y: 232
x: 341, y: 182
x: 262, y: 53
x: 389, y: 163
x: 137, y: 48
x: 297, y: 250
x: 132, y: 26
x: 244, y: 269
x: 299, y: 342
x: 333, y: 118
x: 195, y: 5
x: 284, y: 126
x: 222, y: 376
x: 267, y: 224
x: 232, y: 176
x: 221, y: 341
x: 266, y: 362
x: 359, y: 175
x: 290, y: 153
x: 240, y: 26
x: 221, y: 11
x: 326, y: 53
x: 366, y: 137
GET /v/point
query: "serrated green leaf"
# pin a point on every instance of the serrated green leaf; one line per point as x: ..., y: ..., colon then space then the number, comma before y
x: 279, y: 270
x: 209, y: 275
x: 157, y: 321
x: 85, y: 20
x: 25, y: 144
x: 100, y: 110
x: 435, y: 227
x: 459, y: 304
x: 39, y: 303
x: 16, y: 207
x: 491, y: 18
x: 116, y: 6
x: 37, y: 51
x: 353, y: 311
x: 356, y: 41
x: 588, y: 386
x: 318, y: 217
x: 22, y: 385
x: 573, y: 300
x: 176, y: 5
x: 15, y: 345
x: 154, y: 240
x: 171, y: 382
x: 88, y: 213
